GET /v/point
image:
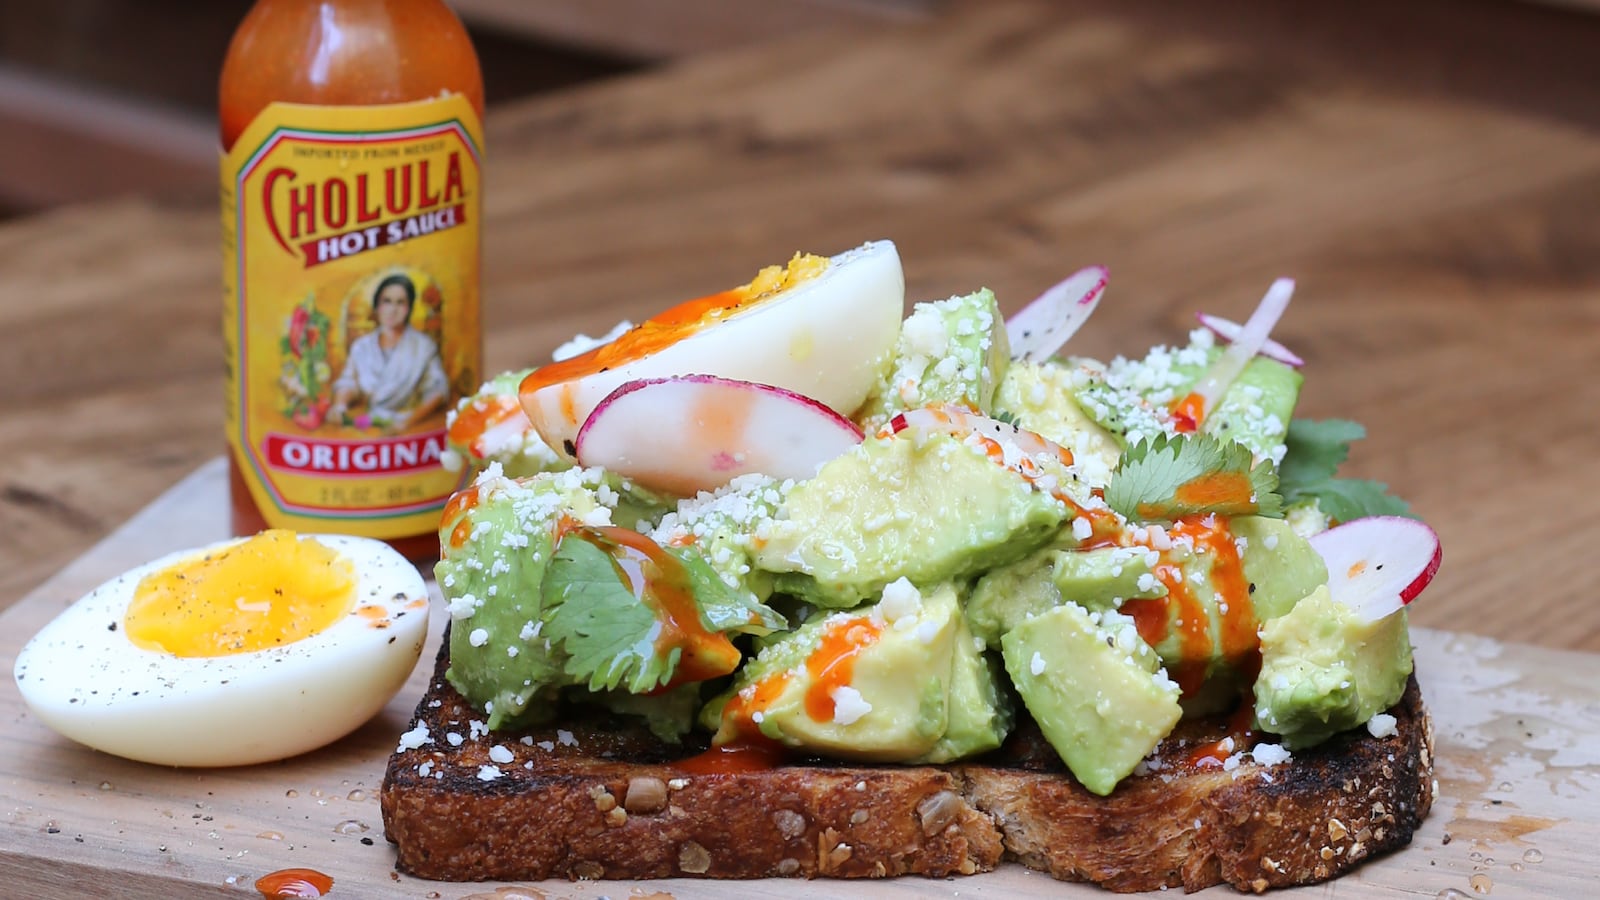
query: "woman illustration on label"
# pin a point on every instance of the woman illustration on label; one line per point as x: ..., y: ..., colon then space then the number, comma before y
x: 395, y: 369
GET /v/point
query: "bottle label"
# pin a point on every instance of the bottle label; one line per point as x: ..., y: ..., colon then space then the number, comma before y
x: 351, y: 254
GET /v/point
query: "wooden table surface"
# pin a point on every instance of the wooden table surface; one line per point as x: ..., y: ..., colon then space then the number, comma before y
x: 1429, y: 171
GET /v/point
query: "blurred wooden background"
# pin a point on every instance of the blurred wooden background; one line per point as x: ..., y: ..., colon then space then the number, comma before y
x: 101, y: 98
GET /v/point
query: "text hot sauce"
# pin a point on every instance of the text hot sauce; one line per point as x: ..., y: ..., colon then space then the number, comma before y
x: 351, y: 201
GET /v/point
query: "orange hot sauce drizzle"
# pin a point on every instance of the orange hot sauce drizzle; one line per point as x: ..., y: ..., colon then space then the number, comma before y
x: 832, y: 664
x: 660, y: 582
x: 1154, y: 617
x: 461, y: 503
x: 481, y: 416
x: 750, y: 751
x: 294, y: 883
x: 1188, y: 412
x: 1239, y: 728
x: 649, y: 336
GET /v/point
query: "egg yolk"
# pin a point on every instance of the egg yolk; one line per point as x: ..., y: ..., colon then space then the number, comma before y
x: 677, y: 323
x: 267, y: 591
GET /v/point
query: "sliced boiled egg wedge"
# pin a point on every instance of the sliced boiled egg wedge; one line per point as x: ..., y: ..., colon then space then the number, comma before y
x: 1378, y: 564
x: 236, y: 653
x: 821, y: 327
x: 695, y: 433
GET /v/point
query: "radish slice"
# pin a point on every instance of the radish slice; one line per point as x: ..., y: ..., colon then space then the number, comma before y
x: 1378, y: 564
x: 1228, y: 330
x: 694, y: 433
x: 1238, y: 354
x: 1008, y: 445
x: 1042, y: 327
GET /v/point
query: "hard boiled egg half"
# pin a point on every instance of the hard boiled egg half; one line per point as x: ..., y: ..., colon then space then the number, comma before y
x: 822, y: 327
x: 240, y: 652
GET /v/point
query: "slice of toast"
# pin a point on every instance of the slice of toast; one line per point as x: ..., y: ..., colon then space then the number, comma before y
x: 598, y: 797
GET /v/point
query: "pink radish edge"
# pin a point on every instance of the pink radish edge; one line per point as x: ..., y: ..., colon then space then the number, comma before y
x: 1227, y: 329
x: 1062, y: 309
x: 629, y: 387
x: 1335, y: 546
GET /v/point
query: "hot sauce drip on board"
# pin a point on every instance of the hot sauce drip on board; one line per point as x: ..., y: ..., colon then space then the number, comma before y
x: 293, y: 883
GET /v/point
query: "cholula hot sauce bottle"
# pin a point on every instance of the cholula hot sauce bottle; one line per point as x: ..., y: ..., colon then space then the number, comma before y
x: 351, y: 202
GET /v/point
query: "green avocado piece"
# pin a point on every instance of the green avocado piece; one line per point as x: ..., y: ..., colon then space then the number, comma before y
x: 514, y: 443
x: 1130, y: 398
x: 891, y: 703
x: 1104, y: 577
x: 927, y: 508
x: 724, y: 525
x: 496, y: 541
x: 1324, y: 671
x: 669, y: 715
x: 1039, y: 397
x: 1282, y: 566
x: 949, y: 351
x: 981, y: 710
x: 1098, y: 579
x: 1306, y: 517
x: 1095, y: 689
x: 1006, y: 595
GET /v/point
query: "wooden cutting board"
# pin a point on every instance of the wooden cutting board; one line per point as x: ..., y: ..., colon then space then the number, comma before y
x: 1518, y: 813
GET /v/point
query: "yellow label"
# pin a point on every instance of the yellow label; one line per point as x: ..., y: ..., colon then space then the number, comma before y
x: 351, y: 255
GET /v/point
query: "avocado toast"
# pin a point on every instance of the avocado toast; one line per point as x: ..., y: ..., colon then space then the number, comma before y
x: 1118, y: 622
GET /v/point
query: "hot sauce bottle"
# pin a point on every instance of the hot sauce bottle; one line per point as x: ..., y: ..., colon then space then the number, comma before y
x: 351, y: 200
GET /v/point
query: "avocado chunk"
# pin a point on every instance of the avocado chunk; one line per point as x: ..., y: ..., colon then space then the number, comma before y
x: 1323, y: 670
x: 1094, y: 687
x: 1104, y: 577
x: 1006, y: 595
x: 981, y: 709
x: 1281, y: 567
x: 870, y: 684
x: 495, y: 540
x: 490, y: 427
x: 1040, y: 397
x: 724, y: 525
x: 949, y: 351
x: 1097, y: 579
x: 1131, y: 398
x: 928, y: 508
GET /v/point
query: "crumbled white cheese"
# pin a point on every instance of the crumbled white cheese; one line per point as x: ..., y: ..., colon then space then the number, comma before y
x: 566, y: 738
x: 1036, y: 665
x: 414, y: 738
x: 582, y: 343
x: 1381, y: 725
x: 1271, y: 754
x: 454, y: 739
x: 848, y: 705
x: 500, y: 754
x: 478, y: 637
x: 489, y: 773
x: 900, y: 599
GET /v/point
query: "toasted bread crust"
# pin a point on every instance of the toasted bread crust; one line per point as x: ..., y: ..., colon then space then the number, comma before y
x: 598, y: 798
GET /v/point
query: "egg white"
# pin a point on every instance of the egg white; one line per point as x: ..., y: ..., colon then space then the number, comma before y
x: 828, y: 338
x: 84, y: 678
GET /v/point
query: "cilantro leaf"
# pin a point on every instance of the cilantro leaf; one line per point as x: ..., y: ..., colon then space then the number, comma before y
x: 595, y: 617
x: 612, y: 639
x: 1315, y: 450
x: 1172, y: 477
x: 1343, y: 499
